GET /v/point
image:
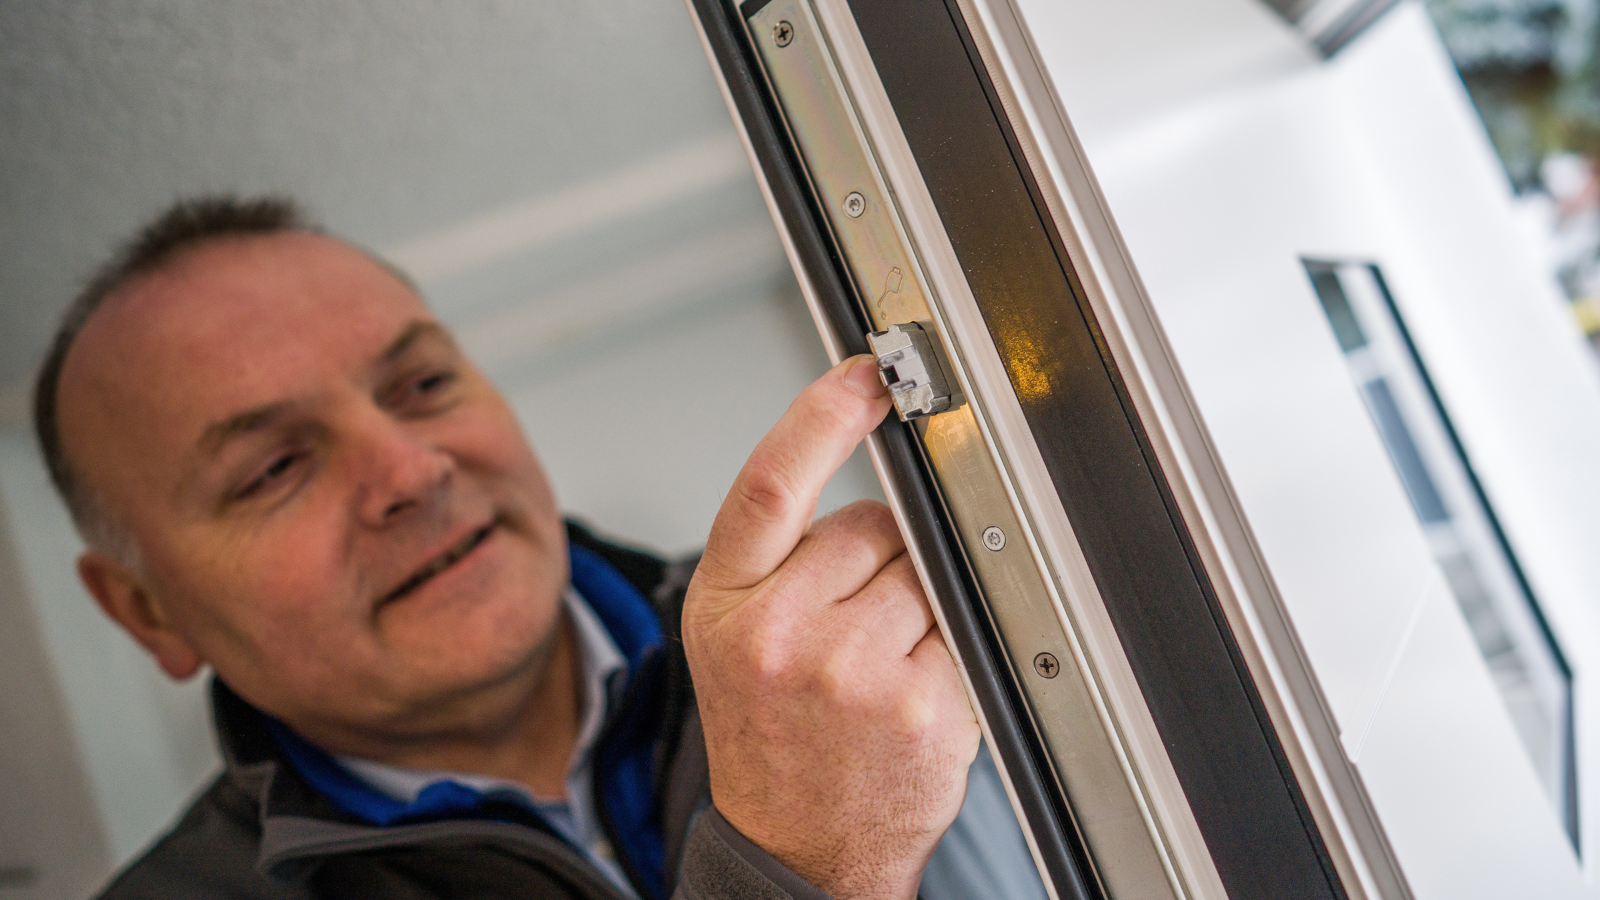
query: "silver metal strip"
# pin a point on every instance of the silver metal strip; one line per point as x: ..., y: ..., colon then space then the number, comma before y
x: 1261, y: 624
x: 875, y: 451
x: 803, y: 56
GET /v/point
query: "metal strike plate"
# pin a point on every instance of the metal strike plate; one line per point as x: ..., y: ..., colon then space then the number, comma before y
x: 1016, y: 590
x: 910, y: 369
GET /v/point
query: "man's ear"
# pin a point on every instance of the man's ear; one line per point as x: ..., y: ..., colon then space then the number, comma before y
x: 122, y: 596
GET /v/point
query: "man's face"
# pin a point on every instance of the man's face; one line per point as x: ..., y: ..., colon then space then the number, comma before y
x: 332, y: 506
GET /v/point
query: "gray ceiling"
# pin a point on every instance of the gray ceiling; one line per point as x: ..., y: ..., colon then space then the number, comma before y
x: 399, y: 122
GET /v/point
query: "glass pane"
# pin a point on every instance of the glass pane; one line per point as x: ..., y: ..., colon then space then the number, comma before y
x: 1523, y: 656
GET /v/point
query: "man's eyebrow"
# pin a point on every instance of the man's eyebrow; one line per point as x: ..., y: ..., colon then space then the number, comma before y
x: 218, y: 434
x: 414, y: 332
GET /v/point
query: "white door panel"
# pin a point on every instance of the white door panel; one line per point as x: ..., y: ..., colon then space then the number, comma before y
x: 1456, y: 793
x: 1205, y: 218
x: 1376, y: 155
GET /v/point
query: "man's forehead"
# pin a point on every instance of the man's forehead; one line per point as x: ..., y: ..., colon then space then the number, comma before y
x: 230, y: 324
x: 234, y: 303
x: 249, y: 282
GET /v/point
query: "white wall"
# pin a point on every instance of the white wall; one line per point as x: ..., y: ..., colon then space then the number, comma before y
x: 41, y: 855
x: 143, y: 742
x: 563, y: 180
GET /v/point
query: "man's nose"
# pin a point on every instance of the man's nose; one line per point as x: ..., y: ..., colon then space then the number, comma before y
x: 397, y: 470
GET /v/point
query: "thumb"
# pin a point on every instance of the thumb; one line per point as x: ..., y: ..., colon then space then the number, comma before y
x: 774, y: 498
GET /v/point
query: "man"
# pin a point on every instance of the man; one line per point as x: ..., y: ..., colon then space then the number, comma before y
x: 425, y: 685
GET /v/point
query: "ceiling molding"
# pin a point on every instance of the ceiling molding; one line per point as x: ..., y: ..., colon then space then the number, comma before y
x: 673, y: 281
x: 678, y: 277
x: 624, y: 193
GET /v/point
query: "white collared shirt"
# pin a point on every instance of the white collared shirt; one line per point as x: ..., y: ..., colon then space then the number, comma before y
x: 574, y: 818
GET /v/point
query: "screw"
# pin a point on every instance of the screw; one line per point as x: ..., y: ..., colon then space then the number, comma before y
x: 854, y: 204
x: 1046, y: 665
x: 783, y: 33
x: 994, y: 538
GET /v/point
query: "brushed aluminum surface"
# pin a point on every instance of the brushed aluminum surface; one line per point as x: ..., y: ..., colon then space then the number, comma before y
x: 1021, y: 596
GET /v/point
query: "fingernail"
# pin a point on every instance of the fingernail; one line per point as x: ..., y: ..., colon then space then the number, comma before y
x: 863, y: 379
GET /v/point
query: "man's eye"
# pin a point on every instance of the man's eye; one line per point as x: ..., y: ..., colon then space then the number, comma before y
x: 434, y: 382
x: 271, y: 473
x: 421, y: 394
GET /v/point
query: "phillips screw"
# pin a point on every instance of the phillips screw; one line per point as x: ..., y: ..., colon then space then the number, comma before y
x: 1047, y: 665
x: 783, y: 33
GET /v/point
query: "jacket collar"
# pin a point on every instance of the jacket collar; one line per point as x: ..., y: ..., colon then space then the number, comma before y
x: 300, y: 824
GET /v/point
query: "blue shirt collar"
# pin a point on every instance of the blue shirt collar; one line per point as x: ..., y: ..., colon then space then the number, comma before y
x: 628, y: 618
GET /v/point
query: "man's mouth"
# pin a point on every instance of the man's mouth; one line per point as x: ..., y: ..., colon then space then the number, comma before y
x: 441, y: 562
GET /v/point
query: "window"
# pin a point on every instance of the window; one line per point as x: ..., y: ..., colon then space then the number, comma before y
x: 1522, y: 653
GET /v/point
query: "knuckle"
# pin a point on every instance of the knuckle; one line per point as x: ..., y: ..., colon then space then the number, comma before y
x: 917, y: 716
x: 838, y: 680
x: 838, y: 522
x: 766, y: 664
x: 763, y: 494
x: 903, y: 575
x: 896, y: 591
x: 767, y: 654
x: 853, y: 641
x: 862, y: 534
x: 865, y: 517
x: 875, y: 515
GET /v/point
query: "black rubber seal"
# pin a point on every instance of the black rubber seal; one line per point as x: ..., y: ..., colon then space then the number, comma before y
x: 1014, y: 742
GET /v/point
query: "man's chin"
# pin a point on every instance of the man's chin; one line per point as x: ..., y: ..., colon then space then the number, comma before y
x: 483, y: 649
x: 483, y: 628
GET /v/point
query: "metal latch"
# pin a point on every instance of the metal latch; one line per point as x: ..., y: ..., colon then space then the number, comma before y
x: 910, y: 369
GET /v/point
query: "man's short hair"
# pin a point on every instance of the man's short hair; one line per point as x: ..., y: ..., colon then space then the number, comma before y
x: 185, y: 225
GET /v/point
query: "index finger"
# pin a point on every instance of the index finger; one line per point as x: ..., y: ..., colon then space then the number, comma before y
x: 772, y: 501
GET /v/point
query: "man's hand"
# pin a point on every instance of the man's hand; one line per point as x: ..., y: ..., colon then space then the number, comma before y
x: 838, y: 731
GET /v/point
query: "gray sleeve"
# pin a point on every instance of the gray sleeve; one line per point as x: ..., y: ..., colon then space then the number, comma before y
x: 719, y: 863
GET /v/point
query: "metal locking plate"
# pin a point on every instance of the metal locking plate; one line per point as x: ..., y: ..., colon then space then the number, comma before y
x: 911, y: 370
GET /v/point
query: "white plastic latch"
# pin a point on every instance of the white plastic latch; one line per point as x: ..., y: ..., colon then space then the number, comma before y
x: 910, y: 369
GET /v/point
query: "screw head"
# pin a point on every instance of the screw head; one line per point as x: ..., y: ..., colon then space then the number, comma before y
x: 854, y: 204
x: 994, y: 538
x: 1047, y: 665
x: 783, y: 33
